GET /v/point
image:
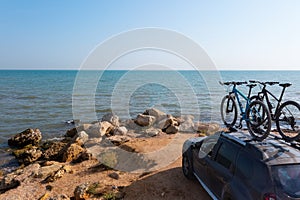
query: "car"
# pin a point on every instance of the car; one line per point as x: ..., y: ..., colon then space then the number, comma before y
x: 234, y: 166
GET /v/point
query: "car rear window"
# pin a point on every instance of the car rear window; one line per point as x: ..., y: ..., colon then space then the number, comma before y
x: 287, y: 178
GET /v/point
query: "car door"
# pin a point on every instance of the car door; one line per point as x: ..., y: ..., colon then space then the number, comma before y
x: 203, y: 156
x: 220, y: 168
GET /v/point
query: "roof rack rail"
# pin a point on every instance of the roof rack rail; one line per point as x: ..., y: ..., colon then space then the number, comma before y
x: 293, y: 144
x: 235, y: 139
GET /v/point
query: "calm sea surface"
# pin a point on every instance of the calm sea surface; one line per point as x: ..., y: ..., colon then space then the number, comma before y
x: 43, y: 99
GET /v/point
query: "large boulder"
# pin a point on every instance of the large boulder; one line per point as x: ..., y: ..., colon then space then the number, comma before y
x: 159, y: 115
x: 27, y: 137
x: 145, y: 120
x: 111, y: 118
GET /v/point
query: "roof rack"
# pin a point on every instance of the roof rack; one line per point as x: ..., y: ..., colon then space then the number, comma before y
x: 293, y: 144
x: 233, y: 138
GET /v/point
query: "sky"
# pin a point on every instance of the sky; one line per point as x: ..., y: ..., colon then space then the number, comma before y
x: 235, y: 34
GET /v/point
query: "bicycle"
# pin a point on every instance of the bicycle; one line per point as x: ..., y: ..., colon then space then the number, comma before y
x: 286, y: 115
x: 256, y: 115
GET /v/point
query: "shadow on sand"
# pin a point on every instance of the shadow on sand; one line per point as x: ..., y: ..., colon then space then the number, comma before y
x: 169, y: 184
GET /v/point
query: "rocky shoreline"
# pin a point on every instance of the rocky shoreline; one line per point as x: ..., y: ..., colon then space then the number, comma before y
x: 44, y: 164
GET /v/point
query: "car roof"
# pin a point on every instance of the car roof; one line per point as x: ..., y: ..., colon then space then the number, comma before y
x: 272, y: 150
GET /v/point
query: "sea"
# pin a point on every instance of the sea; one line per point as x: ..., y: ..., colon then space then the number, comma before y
x: 51, y: 100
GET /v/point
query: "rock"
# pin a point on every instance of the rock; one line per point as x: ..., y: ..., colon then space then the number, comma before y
x: 27, y: 137
x: 81, y: 138
x: 206, y: 128
x: 83, y: 156
x: 59, y: 197
x: 52, y: 150
x: 186, y: 123
x: 8, y: 183
x: 80, y: 192
x: 112, y: 118
x: 100, y: 129
x: 172, y: 129
x: 120, y: 131
x: 152, y: 132
x: 144, y: 120
x: 72, y: 132
x: 92, y: 142
x: 159, y: 115
x: 54, y: 176
x: 119, y: 139
x: 114, y: 175
x: 171, y: 125
x: 71, y: 152
x: 27, y: 155
x: 130, y: 124
x: 46, y: 171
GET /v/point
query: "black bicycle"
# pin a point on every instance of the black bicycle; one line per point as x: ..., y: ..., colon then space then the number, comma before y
x: 286, y: 115
x: 255, y: 113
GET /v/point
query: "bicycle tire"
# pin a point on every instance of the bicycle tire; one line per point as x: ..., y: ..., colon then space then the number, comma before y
x: 255, y: 97
x: 288, y: 117
x: 258, y: 120
x: 228, y: 120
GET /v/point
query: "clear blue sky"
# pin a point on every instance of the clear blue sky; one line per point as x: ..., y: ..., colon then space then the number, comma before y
x: 250, y: 34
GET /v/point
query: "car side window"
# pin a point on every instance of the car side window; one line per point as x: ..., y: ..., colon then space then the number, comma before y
x: 206, y: 148
x: 251, y: 170
x: 226, y: 154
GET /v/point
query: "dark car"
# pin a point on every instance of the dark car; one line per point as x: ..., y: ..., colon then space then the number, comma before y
x: 233, y: 166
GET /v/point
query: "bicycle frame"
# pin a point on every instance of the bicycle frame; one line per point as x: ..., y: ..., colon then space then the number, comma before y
x: 237, y: 94
x: 266, y: 93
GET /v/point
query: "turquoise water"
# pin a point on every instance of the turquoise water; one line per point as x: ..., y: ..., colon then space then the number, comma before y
x: 43, y: 99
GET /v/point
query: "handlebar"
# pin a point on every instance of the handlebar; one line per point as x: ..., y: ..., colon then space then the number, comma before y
x: 264, y: 83
x: 233, y: 83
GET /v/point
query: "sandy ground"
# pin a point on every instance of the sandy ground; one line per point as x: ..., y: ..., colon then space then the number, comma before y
x: 165, y: 183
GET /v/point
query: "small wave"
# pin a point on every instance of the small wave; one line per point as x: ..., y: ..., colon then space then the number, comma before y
x: 27, y: 97
x: 105, y: 110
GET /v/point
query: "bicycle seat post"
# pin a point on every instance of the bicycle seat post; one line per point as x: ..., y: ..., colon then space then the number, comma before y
x: 250, y: 89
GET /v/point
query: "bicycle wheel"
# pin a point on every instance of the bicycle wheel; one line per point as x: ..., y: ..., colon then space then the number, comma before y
x: 228, y: 111
x: 288, y: 121
x: 258, y: 120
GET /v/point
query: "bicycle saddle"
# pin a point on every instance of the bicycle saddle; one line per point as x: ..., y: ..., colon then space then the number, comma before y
x: 285, y: 84
x: 251, y: 85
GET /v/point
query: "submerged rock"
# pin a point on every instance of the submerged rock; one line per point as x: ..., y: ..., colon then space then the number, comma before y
x: 27, y: 137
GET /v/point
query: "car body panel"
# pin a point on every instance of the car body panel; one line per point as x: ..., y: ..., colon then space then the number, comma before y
x: 220, y: 177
